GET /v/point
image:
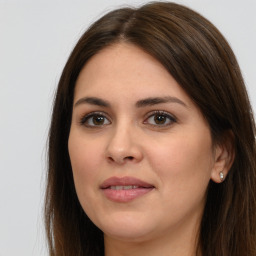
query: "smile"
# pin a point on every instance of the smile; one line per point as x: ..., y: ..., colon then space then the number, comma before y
x: 125, y: 189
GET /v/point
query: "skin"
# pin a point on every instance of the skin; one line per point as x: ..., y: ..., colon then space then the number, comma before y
x: 176, y: 156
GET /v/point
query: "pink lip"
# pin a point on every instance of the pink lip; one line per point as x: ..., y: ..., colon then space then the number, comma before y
x: 125, y: 195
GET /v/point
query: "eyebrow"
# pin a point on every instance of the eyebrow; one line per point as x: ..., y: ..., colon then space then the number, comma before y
x: 93, y: 101
x: 139, y: 104
x: 158, y: 100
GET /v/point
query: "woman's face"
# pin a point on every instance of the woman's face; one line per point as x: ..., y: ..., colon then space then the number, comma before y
x: 141, y: 151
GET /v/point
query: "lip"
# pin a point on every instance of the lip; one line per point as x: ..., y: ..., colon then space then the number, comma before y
x: 139, y: 188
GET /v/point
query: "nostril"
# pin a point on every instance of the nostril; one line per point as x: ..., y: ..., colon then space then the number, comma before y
x: 129, y: 157
x: 111, y: 159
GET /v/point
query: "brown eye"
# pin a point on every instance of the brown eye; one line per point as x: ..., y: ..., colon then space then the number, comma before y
x: 160, y: 118
x: 95, y: 120
x: 98, y: 120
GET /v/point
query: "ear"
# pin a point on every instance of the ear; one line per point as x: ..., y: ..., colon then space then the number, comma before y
x: 224, y: 155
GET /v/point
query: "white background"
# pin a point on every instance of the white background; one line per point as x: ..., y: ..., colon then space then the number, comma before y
x: 36, y: 38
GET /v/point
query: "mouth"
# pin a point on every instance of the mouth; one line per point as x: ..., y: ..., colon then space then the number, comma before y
x: 125, y: 189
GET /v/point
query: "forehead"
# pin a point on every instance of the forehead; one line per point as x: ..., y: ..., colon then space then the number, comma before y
x: 126, y: 71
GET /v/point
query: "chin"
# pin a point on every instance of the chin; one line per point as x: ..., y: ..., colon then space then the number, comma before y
x: 127, y: 228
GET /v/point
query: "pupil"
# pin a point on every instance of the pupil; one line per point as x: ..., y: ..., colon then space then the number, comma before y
x: 160, y: 119
x: 98, y: 120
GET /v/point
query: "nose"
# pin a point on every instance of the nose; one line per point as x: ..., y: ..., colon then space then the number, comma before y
x: 123, y: 146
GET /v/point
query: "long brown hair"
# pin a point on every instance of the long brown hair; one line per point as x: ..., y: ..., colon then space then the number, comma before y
x: 201, y: 61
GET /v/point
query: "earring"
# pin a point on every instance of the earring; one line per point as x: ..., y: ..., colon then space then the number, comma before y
x: 221, y: 176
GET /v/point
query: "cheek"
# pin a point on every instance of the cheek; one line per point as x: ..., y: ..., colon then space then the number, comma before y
x: 184, y: 168
x: 183, y: 160
x: 85, y: 160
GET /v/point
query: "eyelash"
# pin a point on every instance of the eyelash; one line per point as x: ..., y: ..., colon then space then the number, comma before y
x: 86, y: 119
x: 164, y: 114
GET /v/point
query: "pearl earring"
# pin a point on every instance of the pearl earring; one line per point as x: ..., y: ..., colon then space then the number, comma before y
x: 221, y: 176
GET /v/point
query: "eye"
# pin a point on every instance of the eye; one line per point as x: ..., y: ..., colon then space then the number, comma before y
x: 160, y: 118
x: 94, y: 120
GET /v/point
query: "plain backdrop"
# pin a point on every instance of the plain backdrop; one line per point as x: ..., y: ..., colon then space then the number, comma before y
x: 36, y: 38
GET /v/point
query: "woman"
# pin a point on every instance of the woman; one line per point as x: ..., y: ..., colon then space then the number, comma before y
x: 152, y: 141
